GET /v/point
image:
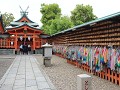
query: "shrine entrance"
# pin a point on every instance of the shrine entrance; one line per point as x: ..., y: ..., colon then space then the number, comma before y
x: 28, y: 41
x: 25, y: 31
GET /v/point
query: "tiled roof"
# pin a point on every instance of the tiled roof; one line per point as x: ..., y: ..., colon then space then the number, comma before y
x: 91, y: 22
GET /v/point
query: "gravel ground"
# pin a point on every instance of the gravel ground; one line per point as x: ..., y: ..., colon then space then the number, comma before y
x: 5, y: 62
x: 64, y: 75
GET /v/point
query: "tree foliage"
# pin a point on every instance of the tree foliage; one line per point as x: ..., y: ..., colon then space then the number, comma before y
x: 7, y: 18
x: 52, y: 20
x: 49, y: 12
x: 58, y: 25
x: 82, y: 14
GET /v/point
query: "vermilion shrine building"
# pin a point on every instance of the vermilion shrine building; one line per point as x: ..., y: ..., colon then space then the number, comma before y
x: 21, y: 31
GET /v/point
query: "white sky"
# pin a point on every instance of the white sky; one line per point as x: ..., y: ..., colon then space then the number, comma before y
x: 100, y: 7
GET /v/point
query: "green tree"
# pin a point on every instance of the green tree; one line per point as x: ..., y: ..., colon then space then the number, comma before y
x: 49, y: 12
x: 58, y: 24
x: 52, y: 20
x: 82, y: 14
x: 7, y: 18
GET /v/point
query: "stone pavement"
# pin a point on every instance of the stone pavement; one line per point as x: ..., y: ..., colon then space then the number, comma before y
x: 25, y: 74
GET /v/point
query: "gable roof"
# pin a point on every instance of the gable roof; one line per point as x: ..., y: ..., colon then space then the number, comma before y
x: 21, y: 25
x: 24, y: 16
x: 23, y: 20
x: 14, y: 24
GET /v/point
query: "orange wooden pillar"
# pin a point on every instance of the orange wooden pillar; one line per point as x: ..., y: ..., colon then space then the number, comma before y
x: 33, y: 44
x: 15, y: 45
x: 41, y: 41
x: 8, y: 43
x: 0, y: 43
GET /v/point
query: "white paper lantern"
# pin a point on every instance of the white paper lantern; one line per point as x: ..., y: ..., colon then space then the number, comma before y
x: 29, y: 38
x: 21, y: 38
x: 11, y: 42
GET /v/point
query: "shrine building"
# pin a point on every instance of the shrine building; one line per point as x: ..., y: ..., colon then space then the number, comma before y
x: 20, y: 32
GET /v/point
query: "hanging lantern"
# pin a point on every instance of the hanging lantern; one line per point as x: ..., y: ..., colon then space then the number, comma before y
x: 29, y: 38
x: 21, y: 38
x: 11, y: 42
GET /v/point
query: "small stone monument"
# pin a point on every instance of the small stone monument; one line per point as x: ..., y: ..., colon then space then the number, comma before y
x: 84, y: 82
x: 47, y: 54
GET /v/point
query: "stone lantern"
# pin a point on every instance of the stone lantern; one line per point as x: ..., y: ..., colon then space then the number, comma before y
x: 47, y: 54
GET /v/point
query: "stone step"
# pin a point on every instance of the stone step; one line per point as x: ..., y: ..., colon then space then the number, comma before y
x: 6, y: 51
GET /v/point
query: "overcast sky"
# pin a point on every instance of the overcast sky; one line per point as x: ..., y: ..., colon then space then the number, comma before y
x: 100, y: 7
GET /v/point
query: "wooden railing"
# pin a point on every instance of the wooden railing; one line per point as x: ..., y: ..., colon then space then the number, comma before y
x: 5, y: 43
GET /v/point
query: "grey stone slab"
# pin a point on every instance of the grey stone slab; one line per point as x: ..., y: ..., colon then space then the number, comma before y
x: 34, y: 64
x: 31, y: 82
x: 11, y: 75
x: 16, y: 65
x: 29, y: 73
x: 43, y: 85
x: 21, y: 68
x: 22, y: 72
x: 19, y: 88
x: 13, y: 69
x: 29, y: 70
x: 19, y: 82
x: 39, y: 79
x: 29, y: 67
x: 12, y: 72
x: 30, y: 77
x: 20, y: 77
x: 5, y: 75
x: 6, y: 87
x: 36, y: 69
x: 28, y: 64
x: 38, y: 75
x: 16, y: 62
x: 22, y: 62
x: 2, y: 80
x: 32, y: 88
x: 9, y: 81
x: 38, y: 72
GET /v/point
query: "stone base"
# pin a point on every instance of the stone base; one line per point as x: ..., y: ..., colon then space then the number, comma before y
x: 7, y: 51
x: 47, y: 62
x: 33, y: 51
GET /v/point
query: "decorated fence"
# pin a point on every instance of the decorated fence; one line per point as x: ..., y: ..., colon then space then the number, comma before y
x: 101, y: 61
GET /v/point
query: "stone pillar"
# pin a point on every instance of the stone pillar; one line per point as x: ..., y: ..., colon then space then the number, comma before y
x: 84, y: 82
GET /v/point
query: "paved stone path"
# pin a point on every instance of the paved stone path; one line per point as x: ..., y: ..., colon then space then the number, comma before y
x: 24, y: 74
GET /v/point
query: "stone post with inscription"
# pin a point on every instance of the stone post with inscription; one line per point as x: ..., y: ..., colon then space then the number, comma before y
x: 84, y: 82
